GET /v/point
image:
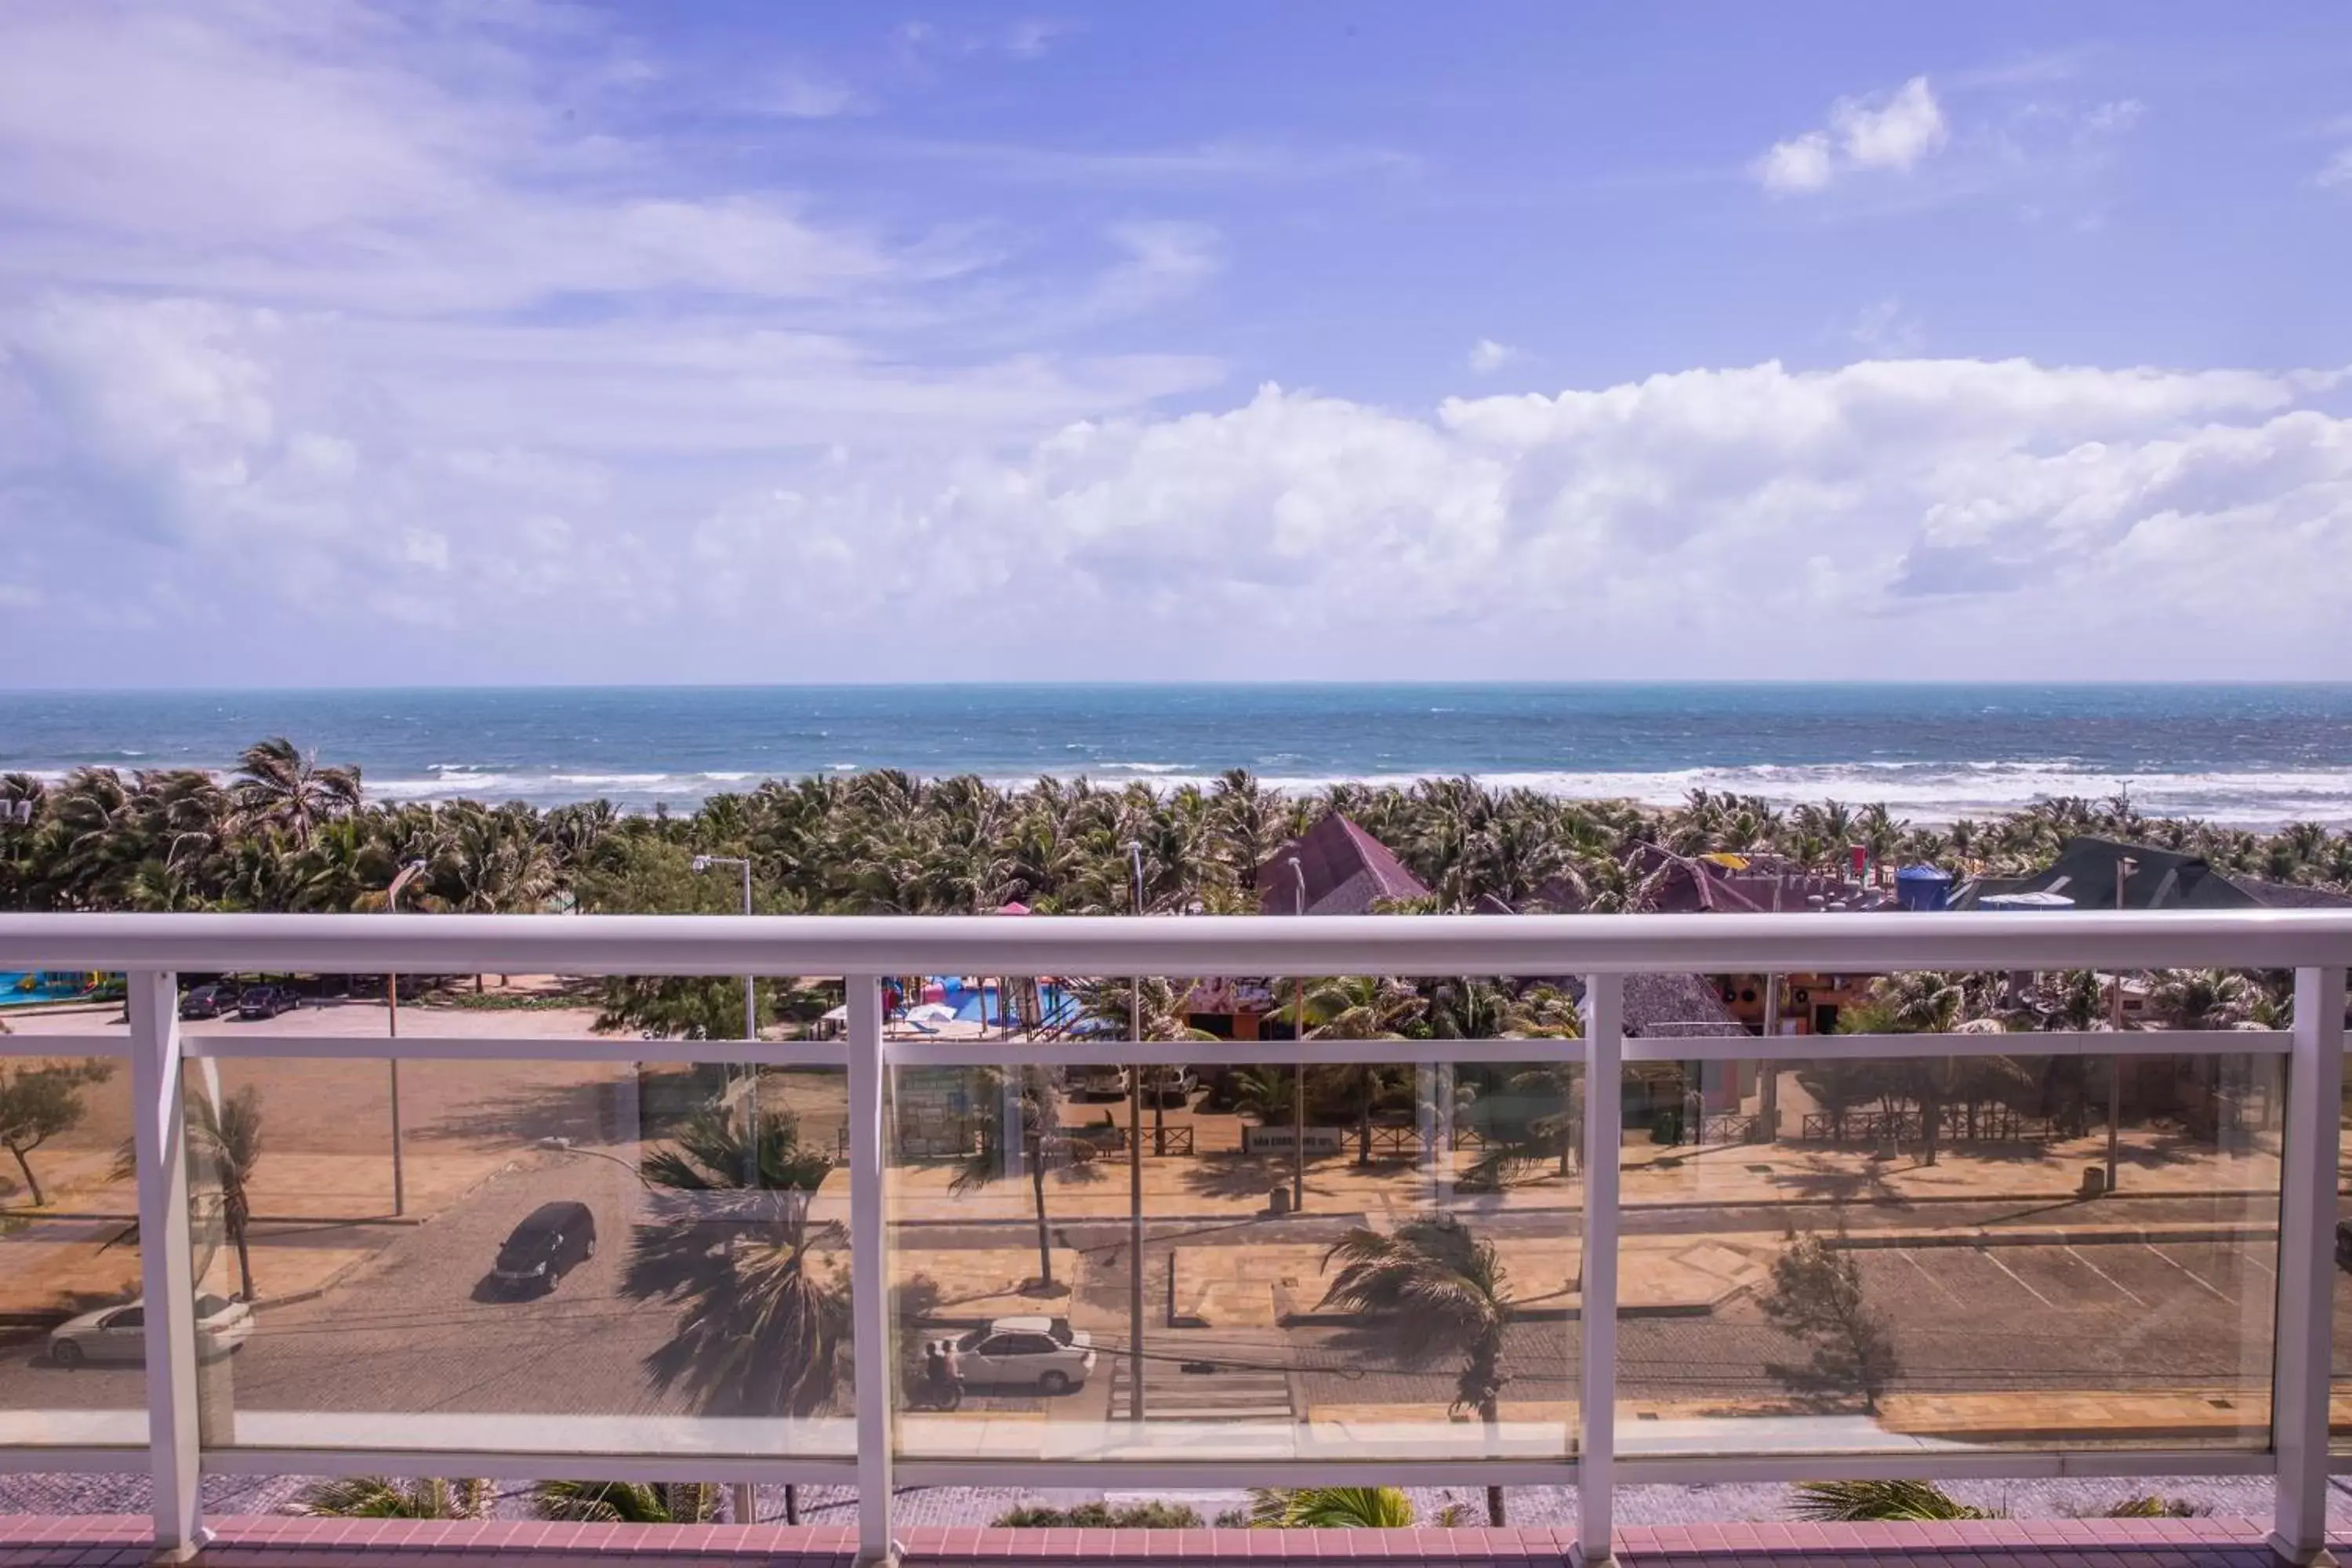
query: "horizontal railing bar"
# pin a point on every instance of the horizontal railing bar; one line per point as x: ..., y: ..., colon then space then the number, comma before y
x: 65, y: 1045
x: 74, y: 1461
x: 517, y: 1049
x: 507, y: 1464
x: 1124, y: 1474
x: 2023, y: 1043
x: 1221, y: 1052
x: 1525, y: 945
x: 1929, y: 1464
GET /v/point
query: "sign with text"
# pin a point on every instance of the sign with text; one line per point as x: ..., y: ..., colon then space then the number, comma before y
x: 1278, y: 1139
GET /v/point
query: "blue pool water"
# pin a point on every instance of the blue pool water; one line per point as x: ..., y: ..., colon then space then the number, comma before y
x: 18, y: 989
x: 980, y: 1006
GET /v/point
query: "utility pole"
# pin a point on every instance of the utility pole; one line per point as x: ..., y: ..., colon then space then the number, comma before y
x: 408, y: 874
x: 743, y: 1499
x: 2125, y: 867
x: 1135, y: 1175
x: 750, y: 1024
x: 1298, y: 1073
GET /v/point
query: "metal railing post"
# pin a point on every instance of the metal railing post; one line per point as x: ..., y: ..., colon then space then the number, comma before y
x: 167, y: 1265
x: 2302, y: 1347
x: 1596, y: 1395
x: 869, y: 1280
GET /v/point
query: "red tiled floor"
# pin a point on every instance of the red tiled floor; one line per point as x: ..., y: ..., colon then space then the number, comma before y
x: 40, y: 1542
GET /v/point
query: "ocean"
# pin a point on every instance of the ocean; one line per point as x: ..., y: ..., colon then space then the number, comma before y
x: 2251, y: 754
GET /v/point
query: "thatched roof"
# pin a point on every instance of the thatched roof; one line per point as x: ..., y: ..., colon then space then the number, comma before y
x: 1676, y: 1006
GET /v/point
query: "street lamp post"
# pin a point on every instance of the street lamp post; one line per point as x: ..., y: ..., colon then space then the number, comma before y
x: 1298, y: 1073
x: 408, y: 874
x: 2125, y: 867
x: 1135, y: 1173
x: 751, y: 1022
x: 743, y: 1499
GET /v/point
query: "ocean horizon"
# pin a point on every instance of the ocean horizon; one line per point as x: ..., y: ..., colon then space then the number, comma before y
x: 2250, y: 753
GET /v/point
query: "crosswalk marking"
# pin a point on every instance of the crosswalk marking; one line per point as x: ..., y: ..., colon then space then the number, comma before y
x: 1171, y: 1393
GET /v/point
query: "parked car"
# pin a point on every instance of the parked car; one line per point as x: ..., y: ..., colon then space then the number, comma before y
x: 210, y: 1001
x: 1169, y: 1085
x: 120, y: 1333
x: 266, y: 1002
x: 552, y: 1240
x: 2344, y: 1244
x: 1097, y: 1083
x: 1046, y: 1354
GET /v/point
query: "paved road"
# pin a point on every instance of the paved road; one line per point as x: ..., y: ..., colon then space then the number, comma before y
x: 405, y: 1332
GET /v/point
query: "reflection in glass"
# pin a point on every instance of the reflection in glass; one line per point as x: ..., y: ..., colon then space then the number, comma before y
x: 595, y: 1258
x: 73, y: 1353
x: 1907, y: 1253
x: 1314, y: 1333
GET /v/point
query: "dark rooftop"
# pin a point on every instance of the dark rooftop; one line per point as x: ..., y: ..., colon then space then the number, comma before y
x: 2159, y: 879
x: 1346, y: 870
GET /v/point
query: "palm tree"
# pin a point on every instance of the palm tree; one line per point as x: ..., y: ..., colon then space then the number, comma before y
x: 1438, y: 1291
x: 1357, y: 1007
x: 762, y: 1330
x: 1032, y: 1103
x: 1329, y: 1507
x: 228, y: 1136
x: 375, y: 1497
x: 2202, y: 998
x: 280, y: 787
x: 494, y: 862
x: 1841, y: 1502
x: 1154, y: 1009
x: 626, y: 1502
x: 712, y: 1154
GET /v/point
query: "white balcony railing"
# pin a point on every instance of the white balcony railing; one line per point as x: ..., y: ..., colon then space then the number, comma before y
x: 881, y: 1445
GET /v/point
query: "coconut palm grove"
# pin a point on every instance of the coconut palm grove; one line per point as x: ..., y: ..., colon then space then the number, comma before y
x: 289, y: 832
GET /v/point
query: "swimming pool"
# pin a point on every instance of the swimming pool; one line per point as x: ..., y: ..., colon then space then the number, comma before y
x: 981, y: 1007
x: 21, y: 989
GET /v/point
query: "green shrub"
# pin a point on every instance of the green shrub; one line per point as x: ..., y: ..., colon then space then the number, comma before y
x: 1102, y: 1516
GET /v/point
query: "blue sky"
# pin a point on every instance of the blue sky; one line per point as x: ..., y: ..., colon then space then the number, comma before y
x: 512, y: 340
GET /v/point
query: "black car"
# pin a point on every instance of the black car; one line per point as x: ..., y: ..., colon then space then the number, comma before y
x: 266, y: 1002
x: 212, y: 1001
x: 549, y: 1243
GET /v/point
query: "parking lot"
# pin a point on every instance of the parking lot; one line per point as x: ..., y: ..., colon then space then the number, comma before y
x: 388, y: 1320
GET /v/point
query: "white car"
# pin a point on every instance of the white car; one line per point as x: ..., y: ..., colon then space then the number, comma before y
x: 1097, y: 1082
x: 120, y: 1333
x: 1043, y: 1353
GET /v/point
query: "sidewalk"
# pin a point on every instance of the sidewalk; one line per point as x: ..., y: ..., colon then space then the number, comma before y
x: 1231, y: 1186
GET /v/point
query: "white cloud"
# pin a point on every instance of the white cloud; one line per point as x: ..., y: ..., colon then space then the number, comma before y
x: 1159, y: 262
x: 1487, y: 356
x: 1800, y: 163
x: 1894, y: 516
x: 2338, y: 170
x: 1882, y: 328
x: 2114, y: 117
x: 804, y: 95
x: 1889, y: 130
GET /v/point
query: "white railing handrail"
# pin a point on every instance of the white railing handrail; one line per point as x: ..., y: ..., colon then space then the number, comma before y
x: 1180, y: 945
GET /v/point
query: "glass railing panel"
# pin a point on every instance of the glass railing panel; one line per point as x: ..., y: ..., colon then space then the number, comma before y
x: 1947, y: 1254
x: 567, y: 1257
x: 2339, y: 1419
x: 1020, y: 1308
x: 72, y: 1321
